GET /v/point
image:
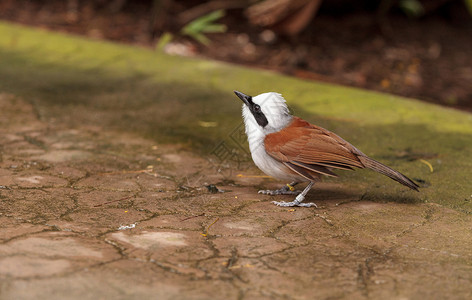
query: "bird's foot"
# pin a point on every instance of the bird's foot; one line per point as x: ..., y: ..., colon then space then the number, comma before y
x: 286, y: 190
x: 278, y: 192
x: 297, y: 202
x: 294, y: 203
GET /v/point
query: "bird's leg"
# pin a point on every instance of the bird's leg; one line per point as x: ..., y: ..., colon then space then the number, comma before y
x: 299, y: 199
x: 287, y: 189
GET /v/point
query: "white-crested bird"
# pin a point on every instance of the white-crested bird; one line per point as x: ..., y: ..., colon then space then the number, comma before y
x: 289, y: 148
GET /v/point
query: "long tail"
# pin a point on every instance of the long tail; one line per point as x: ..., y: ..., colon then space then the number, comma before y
x: 383, y: 169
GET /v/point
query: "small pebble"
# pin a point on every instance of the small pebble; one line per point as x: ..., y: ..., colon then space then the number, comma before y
x: 214, y: 189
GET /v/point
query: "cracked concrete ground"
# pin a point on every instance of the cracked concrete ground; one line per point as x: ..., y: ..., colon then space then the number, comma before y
x: 104, y: 174
x: 90, y: 213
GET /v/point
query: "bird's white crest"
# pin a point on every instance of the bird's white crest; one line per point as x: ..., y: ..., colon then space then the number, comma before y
x: 275, y: 109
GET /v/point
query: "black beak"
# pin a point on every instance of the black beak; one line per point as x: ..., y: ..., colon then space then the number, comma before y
x: 246, y: 98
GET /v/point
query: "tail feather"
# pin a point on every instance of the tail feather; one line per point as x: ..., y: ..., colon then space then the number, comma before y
x: 387, y: 171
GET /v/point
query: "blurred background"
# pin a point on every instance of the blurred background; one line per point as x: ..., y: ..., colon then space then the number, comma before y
x: 413, y: 48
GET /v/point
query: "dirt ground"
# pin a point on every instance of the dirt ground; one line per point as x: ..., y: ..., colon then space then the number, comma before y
x: 427, y: 58
x: 90, y: 213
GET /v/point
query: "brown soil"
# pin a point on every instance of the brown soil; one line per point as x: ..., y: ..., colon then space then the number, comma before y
x: 426, y: 58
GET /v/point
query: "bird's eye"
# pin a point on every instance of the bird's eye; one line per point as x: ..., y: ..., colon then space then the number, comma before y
x: 257, y: 108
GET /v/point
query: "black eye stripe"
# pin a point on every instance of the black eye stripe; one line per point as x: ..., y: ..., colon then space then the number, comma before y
x: 261, y: 119
x: 257, y: 113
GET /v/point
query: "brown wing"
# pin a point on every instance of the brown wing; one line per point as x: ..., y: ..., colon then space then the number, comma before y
x: 309, y: 149
x: 312, y: 147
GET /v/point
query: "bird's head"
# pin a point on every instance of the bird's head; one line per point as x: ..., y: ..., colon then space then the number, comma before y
x: 268, y: 111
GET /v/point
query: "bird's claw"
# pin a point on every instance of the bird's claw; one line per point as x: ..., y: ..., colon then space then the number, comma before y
x: 278, y: 192
x: 294, y: 203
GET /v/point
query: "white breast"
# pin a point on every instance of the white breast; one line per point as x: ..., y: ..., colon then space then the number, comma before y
x: 269, y: 165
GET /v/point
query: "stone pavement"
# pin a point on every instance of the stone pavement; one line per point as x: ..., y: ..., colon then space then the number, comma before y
x: 87, y: 213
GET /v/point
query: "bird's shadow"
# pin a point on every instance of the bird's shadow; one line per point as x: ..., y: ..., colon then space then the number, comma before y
x: 336, y: 194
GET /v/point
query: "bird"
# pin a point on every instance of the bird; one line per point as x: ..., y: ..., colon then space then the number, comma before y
x: 289, y: 148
